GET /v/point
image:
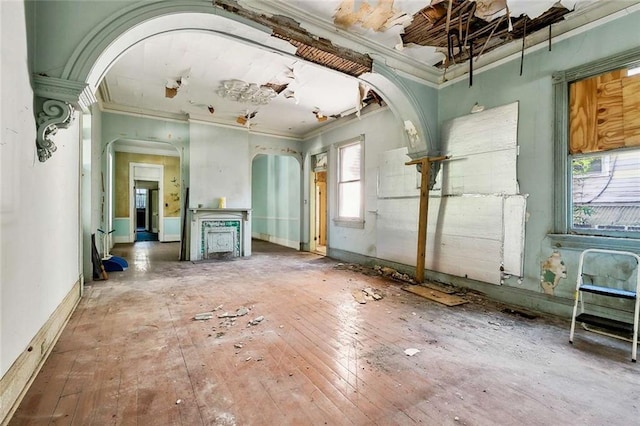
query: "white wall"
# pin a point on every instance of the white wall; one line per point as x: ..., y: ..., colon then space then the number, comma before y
x: 220, y: 166
x: 382, y: 133
x: 220, y: 162
x: 39, y: 230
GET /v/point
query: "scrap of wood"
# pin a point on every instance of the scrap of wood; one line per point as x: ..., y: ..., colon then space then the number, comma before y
x: 435, y: 295
x: 440, y: 287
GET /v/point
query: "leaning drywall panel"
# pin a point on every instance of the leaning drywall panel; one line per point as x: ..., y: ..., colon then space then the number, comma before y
x: 484, y: 173
x: 514, y: 226
x: 396, y: 230
x: 395, y: 179
x: 464, y: 234
x: 483, y: 150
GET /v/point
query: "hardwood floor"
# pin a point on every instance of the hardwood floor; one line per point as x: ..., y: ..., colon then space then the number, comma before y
x: 132, y: 354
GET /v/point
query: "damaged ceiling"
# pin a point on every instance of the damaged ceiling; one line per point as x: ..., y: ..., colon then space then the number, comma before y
x: 297, y: 69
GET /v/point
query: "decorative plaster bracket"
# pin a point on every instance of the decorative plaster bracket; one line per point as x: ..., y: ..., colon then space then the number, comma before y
x: 56, y: 103
x: 54, y: 115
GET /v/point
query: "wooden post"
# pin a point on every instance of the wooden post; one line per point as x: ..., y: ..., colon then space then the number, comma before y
x: 425, y: 163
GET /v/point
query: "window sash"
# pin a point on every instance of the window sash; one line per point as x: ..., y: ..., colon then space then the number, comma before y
x: 562, y: 235
x: 350, y: 181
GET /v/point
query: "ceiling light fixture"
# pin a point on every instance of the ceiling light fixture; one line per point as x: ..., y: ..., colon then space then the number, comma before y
x: 248, y: 93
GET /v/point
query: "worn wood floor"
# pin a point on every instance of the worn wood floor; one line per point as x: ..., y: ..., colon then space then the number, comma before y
x: 133, y: 355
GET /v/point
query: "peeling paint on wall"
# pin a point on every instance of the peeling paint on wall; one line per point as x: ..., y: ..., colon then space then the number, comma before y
x: 553, y: 270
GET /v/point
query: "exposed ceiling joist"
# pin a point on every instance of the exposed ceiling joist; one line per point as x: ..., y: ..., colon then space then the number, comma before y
x: 309, y: 47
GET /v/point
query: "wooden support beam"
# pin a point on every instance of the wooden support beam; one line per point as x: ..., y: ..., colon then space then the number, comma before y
x: 425, y: 171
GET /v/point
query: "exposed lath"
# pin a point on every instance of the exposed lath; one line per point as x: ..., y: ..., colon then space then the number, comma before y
x: 322, y: 57
x: 309, y: 47
x: 465, y: 28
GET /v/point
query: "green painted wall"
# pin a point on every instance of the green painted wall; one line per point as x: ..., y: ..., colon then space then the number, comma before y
x: 534, y: 92
x: 275, y: 199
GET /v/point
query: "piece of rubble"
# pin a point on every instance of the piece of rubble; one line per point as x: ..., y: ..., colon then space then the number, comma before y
x: 387, y: 271
x: 257, y: 320
x: 359, y: 296
x: 372, y: 293
x: 402, y: 277
x: 203, y: 316
x: 411, y: 351
x: 238, y: 346
x: 241, y: 312
x: 217, y: 308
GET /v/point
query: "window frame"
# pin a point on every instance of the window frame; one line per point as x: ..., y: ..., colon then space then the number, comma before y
x: 349, y: 222
x: 563, y: 235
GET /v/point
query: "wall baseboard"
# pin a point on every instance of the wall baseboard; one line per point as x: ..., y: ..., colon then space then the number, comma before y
x: 169, y: 238
x: 121, y: 239
x: 17, y: 380
x: 276, y: 240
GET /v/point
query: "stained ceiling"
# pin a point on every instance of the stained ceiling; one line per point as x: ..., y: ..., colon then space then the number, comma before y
x: 302, y: 73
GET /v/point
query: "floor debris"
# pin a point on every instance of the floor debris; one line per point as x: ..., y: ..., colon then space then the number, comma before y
x: 411, y: 351
x: 440, y: 287
x: 358, y: 295
x: 203, y: 316
x: 366, y: 294
x: 369, y: 292
x: 240, y: 312
x: 257, y: 320
x: 435, y: 295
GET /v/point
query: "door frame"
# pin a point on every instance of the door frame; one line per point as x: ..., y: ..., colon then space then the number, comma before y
x: 313, y: 235
x: 149, y: 172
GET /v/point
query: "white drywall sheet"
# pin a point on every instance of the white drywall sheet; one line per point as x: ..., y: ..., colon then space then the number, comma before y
x: 478, y: 225
x: 465, y: 234
x: 394, y: 178
x: 483, y: 149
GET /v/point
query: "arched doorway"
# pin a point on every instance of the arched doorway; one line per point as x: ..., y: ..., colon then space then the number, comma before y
x: 275, y: 199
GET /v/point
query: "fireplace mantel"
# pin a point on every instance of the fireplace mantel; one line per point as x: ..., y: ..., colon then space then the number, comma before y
x: 204, y: 210
x: 205, y: 220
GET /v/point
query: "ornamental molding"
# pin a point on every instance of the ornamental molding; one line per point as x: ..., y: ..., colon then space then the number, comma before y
x: 77, y: 93
x: 56, y: 102
x: 52, y: 115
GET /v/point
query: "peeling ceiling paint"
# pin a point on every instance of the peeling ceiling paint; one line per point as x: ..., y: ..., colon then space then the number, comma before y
x: 181, y: 74
x: 178, y: 74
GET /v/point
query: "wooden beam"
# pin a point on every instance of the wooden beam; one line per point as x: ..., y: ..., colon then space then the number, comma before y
x: 423, y: 214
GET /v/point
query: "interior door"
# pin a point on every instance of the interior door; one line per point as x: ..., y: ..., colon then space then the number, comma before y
x: 321, y: 206
x: 154, y: 201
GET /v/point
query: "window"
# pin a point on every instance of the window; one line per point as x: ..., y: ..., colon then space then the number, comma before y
x: 606, y: 192
x: 141, y: 198
x: 598, y: 154
x: 350, y: 182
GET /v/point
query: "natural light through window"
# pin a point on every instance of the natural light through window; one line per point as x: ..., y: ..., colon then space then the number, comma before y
x: 606, y: 191
x: 349, y: 183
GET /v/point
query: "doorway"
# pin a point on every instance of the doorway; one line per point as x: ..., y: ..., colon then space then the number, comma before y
x: 319, y: 205
x: 145, y: 196
x: 321, y: 212
x: 147, y: 210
